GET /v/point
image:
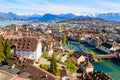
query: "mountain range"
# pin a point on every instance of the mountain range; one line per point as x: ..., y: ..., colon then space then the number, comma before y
x: 54, y: 17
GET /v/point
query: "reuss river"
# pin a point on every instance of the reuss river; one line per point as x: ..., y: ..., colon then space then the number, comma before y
x: 108, y: 66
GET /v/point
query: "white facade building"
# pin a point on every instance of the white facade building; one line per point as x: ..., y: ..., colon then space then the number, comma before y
x: 87, y: 67
x: 28, y: 47
x: 105, y: 47
x: 34, y: 55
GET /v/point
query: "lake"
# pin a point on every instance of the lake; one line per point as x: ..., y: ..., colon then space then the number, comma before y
x: 5, y: 23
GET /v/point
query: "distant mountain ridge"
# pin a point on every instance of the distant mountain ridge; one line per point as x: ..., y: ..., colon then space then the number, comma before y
x: 54, y: 17
x: 110, y: 16
x: 8, y: 15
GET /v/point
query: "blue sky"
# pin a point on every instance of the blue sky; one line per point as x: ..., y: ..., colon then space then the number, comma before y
x: 79, y: 7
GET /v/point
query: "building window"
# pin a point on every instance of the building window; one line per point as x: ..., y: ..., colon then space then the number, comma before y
x: 28, y: 40
x: 18, y: 43
x: 24, y: 40
x: 20, y: 40
x: 15, y: 39
x: 28, y: 48
x: 18, y: 46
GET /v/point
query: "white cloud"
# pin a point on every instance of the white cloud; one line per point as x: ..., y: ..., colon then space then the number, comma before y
x: 43, y: 6
x: 31, y: 8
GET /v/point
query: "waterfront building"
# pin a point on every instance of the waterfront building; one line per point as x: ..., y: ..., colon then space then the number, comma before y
x: 78, y: 58
x: 106, y: 47
x: 87, y: 67
x: 92, y: 41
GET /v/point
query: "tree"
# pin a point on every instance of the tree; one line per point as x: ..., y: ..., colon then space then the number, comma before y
x: 11, y: 26
x: 64, y: 39
x: 44, y: 66
x: 79, y: 38
x: 92, y: 53
x: 67, y: 47
x: 2, y: 56
x: 71, y: 53
x: 60, y: 59
x: 7, y: 49
x: 70, y: 64
x: 53, y: 65
x: 45, y: 54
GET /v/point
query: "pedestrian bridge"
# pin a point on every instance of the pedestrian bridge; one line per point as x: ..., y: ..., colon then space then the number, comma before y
x: 105, y: 56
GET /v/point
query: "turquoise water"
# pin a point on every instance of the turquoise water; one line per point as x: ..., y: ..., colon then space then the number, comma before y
x: 4, y: 23
x: 108, y: 67
x: 105, y: 65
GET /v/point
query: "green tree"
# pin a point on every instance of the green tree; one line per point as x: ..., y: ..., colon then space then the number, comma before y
x: 79, y: 38
x: 64, y: 39
x: 7, y: 49
x: 92, y: 53
x: 44, y: 66
x: 45, y: 54
x: 71, y: 66
x: 67, y: 47
x: 11, y: 26
x: 2, y: 56
x: 71, y: 53
x: 53, y: 65
x: 60, y: 59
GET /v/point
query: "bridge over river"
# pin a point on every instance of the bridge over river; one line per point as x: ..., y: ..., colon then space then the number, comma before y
x: 105, y: 56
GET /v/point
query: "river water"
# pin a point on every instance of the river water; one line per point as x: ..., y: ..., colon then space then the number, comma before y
x: 106, y: 65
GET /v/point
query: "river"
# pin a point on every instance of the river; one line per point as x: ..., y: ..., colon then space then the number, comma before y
x: 106, y: 65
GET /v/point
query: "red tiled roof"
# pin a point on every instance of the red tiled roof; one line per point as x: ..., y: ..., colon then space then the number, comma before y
x: 25, y: 43
x: 20, y: 78
x: 50, y: 40
x: 38, y: 73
